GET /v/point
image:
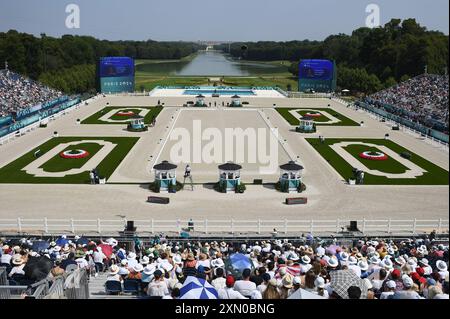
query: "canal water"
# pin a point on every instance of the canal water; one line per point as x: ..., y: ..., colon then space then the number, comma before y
x: 211, y: 63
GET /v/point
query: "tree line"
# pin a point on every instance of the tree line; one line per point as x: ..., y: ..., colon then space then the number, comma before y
x: 72, y: 59
x: 368, y: 59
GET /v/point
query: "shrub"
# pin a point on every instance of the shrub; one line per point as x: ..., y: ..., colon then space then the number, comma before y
x: 301, y: 188
x: 154, y: 187
x: 406, y: 155
x: 240, y: 188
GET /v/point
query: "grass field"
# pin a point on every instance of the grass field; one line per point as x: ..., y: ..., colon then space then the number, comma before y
x: 434, y: 175
x: 59, y: 164
x: 13, y: 173
x: 292, y: 120
x: 95, y: 118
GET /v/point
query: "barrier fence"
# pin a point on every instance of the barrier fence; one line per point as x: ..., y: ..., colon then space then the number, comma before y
x: 213, y: 226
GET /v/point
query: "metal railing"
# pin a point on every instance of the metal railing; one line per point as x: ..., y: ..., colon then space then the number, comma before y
x: 214, y: 226
x: 61, y: 287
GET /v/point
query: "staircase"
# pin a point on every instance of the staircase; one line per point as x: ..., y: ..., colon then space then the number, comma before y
x: 97, y: 289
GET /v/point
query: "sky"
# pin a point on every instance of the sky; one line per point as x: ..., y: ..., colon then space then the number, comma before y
x: 208, y: 20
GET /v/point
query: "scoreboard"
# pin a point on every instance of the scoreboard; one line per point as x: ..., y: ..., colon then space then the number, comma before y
x: 317, y: 75
x: 116, y: 75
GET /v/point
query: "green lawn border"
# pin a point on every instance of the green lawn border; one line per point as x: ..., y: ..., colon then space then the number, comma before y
x: 59, y: 164
x: 390, y: 166
x: 12, y: 173
x: 435, y: 175
x: 95, y: 118
x: 292, y: 120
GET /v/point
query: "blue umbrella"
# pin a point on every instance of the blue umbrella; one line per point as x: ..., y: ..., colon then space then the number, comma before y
x: 61, y: 241
x: 237, y: 263
x: 39, y: 245
x: 82, y: 241
x: 197, y: 288
x: 240, y: 261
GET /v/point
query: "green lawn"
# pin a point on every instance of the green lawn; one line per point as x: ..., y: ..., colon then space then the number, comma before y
x: 292, y: 120
x: 59, y: 164
x: 434, y: 175
x: 388, y: 166
x: 95, y: 118
x: 13, y: 173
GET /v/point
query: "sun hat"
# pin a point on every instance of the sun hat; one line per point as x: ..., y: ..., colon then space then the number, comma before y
x: 441, y: 265
x: 319, y: 282
x: 333, y: 262
x: 374, y: 260
x: 124, y: 262
x: 167, y: 266
x: 138, y: 268
x: 17, y: 260
x: 424, y: 261
x: 149, y: 269
x: 391, y: 284
x: 363, y: 265
x: 400, y: 260
x: 387, y: 264
x: 114, y: 270
x: 272, y: 282
x: 177, y: 259
x: 305, y: 259
x: 320, y: 251
x: 282, y: 271
x: 131, y: 255
x: 344, y: 256
x: 408, y: 282
x: 190, y: 257
x: 295, y: 281
x: 287, y: 281
x: 217, y: 263
x: 368, y: 283
x: 145, y: 260
x: 391, y: 251
x: 352, y: 260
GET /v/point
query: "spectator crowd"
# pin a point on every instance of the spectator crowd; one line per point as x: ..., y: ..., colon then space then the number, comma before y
x: 422, y: 99
x: 18, y: 92
x: 278, y: 269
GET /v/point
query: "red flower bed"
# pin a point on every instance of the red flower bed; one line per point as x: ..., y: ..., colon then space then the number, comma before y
x: 81, y: 154
x: 378, y: 157
x: 313, y: 114
x: 125, y: 113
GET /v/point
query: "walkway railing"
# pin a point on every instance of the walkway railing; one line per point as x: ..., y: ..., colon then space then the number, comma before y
x: 214, y: 226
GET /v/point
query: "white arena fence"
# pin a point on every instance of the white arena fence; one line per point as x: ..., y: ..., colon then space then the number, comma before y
x: 231, y: 227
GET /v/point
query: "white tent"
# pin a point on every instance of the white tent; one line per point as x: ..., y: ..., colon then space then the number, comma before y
x: 304, y: 294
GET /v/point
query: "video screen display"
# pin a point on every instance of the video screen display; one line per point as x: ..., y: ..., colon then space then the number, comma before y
x: 316, y: 69
x: 116, y: 67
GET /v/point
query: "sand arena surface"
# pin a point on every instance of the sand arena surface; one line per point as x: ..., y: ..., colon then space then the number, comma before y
x: 328, y: 196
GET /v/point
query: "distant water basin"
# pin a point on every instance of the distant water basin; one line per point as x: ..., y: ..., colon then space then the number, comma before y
x: 211, y: 63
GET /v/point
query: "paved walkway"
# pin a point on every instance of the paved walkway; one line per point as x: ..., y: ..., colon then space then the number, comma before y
x: 328, y: 195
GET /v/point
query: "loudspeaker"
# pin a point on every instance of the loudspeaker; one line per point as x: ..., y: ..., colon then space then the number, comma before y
x: 130, y: 226
x: 353, y: 226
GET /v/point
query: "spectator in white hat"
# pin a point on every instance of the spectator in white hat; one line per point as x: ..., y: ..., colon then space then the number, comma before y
x: 389, y: 290
x: 319, y: 284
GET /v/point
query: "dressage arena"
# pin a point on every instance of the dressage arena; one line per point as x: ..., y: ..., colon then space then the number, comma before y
x: 56, y: 183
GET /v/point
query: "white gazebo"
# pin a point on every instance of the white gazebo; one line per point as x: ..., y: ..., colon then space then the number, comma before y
x: 200, y: 100
x: 290, y: 177
x: 230, y: 176
x: 165, y: 175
